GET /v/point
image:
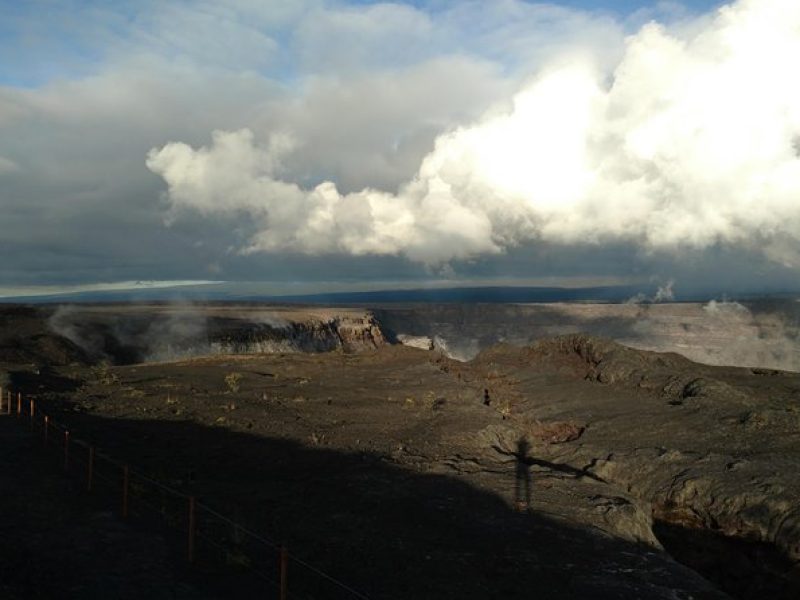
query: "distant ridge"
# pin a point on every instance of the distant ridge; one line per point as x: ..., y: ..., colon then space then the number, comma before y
x: 495, y: 294
x: 230, y: 293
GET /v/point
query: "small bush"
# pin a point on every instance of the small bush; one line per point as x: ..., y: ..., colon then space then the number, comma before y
x: 103, y: 374
x: 232, y: 380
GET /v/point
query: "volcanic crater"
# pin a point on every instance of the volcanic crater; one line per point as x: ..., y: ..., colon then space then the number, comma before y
x: 572, y: 467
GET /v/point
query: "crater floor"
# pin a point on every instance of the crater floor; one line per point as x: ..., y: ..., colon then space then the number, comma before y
x: 573, y: 468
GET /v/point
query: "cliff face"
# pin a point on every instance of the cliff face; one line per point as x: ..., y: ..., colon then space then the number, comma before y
x: 360, y: 334
x: 133, y: 334
x: 757, y: 334
x: 349, y: 334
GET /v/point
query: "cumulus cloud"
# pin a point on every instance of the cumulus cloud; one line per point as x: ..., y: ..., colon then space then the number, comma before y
x: 333, y: 91
x: 690, y: 141
x: 235, y: 175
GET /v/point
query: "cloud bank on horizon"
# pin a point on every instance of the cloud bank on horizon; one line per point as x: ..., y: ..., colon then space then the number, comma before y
x: 691, y: 139
x: 354, y: 142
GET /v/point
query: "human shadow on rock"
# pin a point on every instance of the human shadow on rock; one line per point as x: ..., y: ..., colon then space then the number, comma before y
x: 386, y: 530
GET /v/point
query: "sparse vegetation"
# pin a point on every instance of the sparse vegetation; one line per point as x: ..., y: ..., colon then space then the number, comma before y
x: 232, y: 380
x: 103, y: 374
x: 504, y: 408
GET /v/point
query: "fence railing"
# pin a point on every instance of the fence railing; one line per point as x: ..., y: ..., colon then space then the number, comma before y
x: 212, y: 540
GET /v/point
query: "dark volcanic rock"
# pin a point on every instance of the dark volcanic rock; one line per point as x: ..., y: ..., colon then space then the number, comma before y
x: 25, y: 339
x: 591, y: 463
x: 718, y: 457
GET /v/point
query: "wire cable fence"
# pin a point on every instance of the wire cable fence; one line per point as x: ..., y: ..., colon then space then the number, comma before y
x: 211, y: 541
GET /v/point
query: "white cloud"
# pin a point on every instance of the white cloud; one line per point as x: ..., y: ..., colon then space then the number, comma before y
x: 692, y: 144
x: 399, y: 108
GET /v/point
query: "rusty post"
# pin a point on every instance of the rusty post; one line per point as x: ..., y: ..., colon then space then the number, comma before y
x: 66, y: 450
x: 19, y: 402
x: 191, y: 528
x: 284, y: 573
x: 8, y: 407
x: 90, y: 474
x: 125, y: 479
x: 46, y: 427
x: 33, y: 411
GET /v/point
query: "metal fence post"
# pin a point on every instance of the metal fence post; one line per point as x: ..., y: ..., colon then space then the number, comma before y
x: 46, y: 428
x: 66, y: 450
x: 125, y: 478
x: 191, y: 528
x: 90, y: 474
x: 284, y: 573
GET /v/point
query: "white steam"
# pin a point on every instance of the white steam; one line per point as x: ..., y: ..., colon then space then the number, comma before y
x: 692, y: 141
x: 664, y: 293
x: 727, y: 309
x: 755, y: 336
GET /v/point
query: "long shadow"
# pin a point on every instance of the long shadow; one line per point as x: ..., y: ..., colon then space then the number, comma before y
x: 387, y: 531
x: 522, y: 472
x: 561, y: 468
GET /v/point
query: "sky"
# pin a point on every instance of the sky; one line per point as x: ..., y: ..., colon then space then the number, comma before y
x: 324, y: 142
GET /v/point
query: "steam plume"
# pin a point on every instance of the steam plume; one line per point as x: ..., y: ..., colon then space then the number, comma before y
x: 692, y: 141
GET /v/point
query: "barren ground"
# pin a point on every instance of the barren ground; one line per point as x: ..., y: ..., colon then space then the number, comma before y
x: 386, y: 468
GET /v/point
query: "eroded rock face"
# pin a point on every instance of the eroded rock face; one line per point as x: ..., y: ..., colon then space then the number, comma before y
x: 359, y: 334
x: 711, y: 450
x: 416, y: 341
x: 128, y: 334
x: 348, y: 334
